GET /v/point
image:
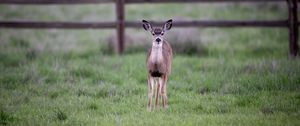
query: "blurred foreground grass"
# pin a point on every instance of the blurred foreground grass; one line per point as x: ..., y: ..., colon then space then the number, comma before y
x: 63, y: 77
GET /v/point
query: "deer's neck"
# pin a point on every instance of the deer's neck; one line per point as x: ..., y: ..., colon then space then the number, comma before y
x: 156, y: 53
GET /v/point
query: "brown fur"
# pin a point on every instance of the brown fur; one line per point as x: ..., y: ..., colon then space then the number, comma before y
x: 158, y: 63
x: 163, y: 68
x: 159, y: 69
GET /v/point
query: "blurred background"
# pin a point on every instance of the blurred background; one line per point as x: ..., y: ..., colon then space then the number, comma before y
x: 232, y: 76
x: 189, y: 41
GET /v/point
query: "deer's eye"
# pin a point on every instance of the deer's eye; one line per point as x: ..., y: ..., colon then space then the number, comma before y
x: 162, y: 33
x: 153, y: 34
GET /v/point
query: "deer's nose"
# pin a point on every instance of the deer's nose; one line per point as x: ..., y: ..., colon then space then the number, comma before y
x: 157, y: 40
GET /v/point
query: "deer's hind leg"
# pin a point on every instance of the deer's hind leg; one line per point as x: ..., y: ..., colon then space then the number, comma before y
x: 150, y: 92
x: 164, y: 91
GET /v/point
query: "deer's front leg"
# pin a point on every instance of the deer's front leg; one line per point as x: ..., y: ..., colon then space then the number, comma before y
x: 157, y: 92
x: 150, y: 93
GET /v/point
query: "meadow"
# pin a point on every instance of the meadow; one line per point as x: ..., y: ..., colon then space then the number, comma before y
x: 242, y: 76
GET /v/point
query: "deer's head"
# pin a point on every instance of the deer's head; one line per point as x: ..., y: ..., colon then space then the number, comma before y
x: 157, y: 32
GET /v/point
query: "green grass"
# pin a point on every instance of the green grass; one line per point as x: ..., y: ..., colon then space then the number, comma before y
x: 62, y: 77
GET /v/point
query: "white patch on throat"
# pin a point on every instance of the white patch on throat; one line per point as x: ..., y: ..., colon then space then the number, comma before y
x: 156, y: 52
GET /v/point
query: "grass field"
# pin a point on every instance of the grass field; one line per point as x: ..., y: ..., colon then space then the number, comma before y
x: 62, y: 77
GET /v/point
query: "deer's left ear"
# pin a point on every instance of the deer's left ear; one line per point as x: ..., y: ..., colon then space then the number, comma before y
x: 168, y: 25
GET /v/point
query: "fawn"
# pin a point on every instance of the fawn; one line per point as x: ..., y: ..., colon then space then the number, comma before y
x: 159, y: 60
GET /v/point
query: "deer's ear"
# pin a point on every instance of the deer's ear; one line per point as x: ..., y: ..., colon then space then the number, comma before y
x: 168, y: 25
x: 146, y: 25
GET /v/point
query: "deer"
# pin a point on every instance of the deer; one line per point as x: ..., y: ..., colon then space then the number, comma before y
x: 158, y: 62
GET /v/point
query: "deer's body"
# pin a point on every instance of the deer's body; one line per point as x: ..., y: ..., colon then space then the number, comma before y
x: 159, y: 60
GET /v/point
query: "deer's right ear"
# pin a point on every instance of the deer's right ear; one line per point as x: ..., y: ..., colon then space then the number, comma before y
x: 146, y: 25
